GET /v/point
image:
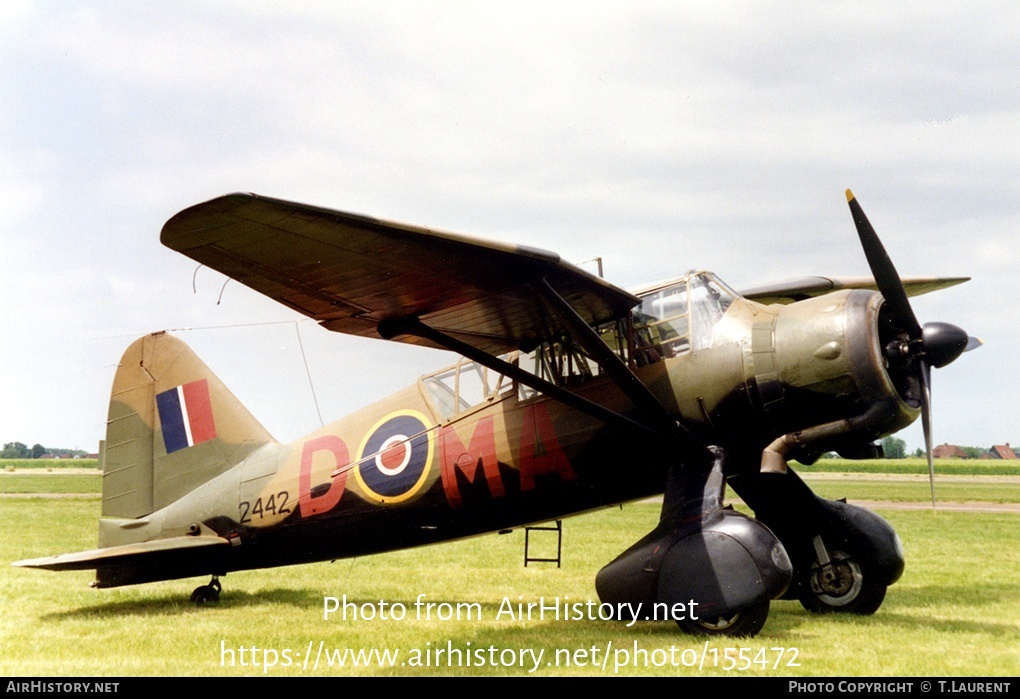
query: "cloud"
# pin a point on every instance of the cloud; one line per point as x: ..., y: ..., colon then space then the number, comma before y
x: 659, y: 136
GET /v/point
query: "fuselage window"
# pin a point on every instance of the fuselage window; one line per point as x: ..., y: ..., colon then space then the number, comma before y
x: 464, y: 386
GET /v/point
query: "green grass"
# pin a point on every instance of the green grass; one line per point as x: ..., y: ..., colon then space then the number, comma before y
x: 962, y: 467
x: 956, y: 607
x: 854, y: 487
x: 964, y: 490
x: 50, y: 483
x: 47, y: 464
x: 919, y: 466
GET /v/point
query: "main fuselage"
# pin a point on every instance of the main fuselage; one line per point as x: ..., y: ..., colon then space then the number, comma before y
x: 466, y: 451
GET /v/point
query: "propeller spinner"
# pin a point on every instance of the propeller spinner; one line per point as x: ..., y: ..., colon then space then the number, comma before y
x: 933, y: 345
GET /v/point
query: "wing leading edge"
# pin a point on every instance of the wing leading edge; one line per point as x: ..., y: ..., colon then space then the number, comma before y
x: 806, y: 287
x: 352, y: 272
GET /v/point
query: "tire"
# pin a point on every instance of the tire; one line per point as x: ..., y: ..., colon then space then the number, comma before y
x: 205, y: 594
x: 746, y: 622
x: 845, y: 586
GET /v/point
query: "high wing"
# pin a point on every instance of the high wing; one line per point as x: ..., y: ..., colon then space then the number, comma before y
x: 352, y: 273
x: 806, y: 287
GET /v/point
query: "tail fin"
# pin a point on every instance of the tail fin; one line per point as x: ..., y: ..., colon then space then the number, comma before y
x: 172, y: 426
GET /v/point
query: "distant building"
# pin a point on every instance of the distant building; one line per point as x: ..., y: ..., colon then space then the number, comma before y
x: 948, y: 451
x: 1002, y: 451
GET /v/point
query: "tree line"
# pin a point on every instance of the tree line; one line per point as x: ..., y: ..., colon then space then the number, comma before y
x: 17, y: 450
x: 896, y: 448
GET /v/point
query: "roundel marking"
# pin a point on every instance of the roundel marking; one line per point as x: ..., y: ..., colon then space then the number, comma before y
x: 395, y: 458
x: 394, y: 455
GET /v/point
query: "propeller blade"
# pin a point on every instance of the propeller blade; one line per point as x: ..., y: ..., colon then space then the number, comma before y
x: 882, y: 269
x: 925, y: 376
x: 935, y: 345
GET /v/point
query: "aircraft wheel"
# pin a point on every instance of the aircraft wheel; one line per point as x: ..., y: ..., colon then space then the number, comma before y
x: 745, y: 622
x: 206, y: 594
x: 844, y: 586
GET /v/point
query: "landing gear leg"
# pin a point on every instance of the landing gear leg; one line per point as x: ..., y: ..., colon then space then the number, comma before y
x: 844, y: 557
x: 207, y: 594
x: 704, y: 553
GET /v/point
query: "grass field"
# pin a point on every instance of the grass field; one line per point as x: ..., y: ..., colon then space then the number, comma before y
x: 854, y: 486
x: 955, y: 612
x: 51, y: 483
x: 917, y: 466
x: 912, y: 465
x: 47, y: 464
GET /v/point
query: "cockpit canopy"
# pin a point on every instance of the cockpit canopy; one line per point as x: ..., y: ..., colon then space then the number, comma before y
x: 680, y: 315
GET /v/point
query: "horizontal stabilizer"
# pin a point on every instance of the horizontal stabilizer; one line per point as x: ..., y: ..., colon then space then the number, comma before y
x: 134, y: 554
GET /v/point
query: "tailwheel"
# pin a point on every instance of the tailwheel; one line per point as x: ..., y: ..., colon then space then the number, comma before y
x: 745, y: 622
x: 207, y: 594
x: 843, y: 586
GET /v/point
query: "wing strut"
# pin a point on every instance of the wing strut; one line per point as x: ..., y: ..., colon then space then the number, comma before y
x: 621, y: 373
x: 654, y: 411
x: 389, y: 329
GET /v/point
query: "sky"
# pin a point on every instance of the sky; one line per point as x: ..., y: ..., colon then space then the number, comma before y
x: 659, y: 136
